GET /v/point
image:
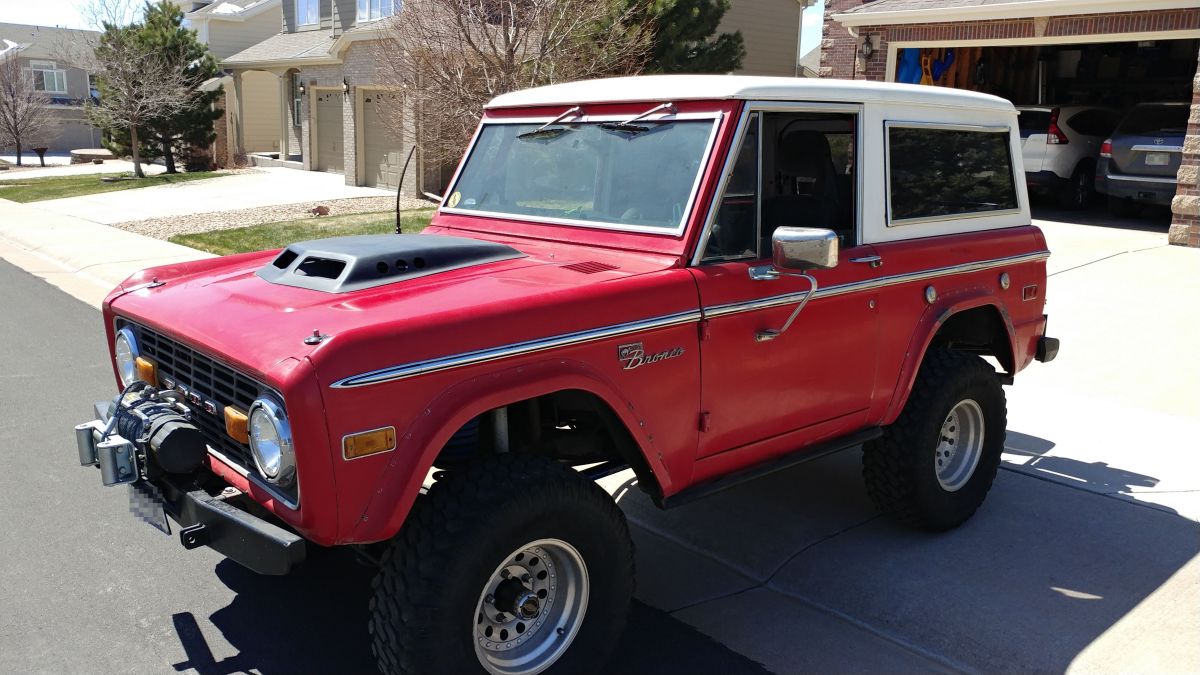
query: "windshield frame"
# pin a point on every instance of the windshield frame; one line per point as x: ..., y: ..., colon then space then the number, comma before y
x: 715, y: 119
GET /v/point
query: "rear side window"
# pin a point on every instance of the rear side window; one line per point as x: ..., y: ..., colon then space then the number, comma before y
x: 1155, y: 119
x: 1093, y: 122
x: 1033, y: 122
x: 942, y: 172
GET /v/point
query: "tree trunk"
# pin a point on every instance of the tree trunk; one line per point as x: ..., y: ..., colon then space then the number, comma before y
x: 18, y: 144
x: 137, y: 165
x: 168, y: 156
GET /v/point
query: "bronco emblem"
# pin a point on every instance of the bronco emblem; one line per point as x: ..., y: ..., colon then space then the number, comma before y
x: 633, y: 355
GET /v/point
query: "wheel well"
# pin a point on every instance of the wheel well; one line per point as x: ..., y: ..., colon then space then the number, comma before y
x: 573, y: 426
x: 978, y: 331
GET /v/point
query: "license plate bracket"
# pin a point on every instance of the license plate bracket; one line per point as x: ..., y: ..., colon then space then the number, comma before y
x: 146, y: 502
x: 1158, y: 158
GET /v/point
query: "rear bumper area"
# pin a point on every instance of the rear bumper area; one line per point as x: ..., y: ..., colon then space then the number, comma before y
x: 1143, y: 189
x: 1044, y: 180
x: 1047, y: 349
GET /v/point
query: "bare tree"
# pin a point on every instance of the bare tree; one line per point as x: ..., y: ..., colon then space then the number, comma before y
x: 23, y: 118
x: 449, y: 57
x: 138, y: 83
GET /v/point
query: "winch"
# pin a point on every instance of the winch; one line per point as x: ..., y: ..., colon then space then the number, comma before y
x: 148, y: 431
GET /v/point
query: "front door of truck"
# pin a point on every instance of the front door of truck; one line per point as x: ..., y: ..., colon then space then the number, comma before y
x: 763, y: 395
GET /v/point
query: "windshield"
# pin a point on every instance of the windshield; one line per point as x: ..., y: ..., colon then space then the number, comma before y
x: 635, y: 178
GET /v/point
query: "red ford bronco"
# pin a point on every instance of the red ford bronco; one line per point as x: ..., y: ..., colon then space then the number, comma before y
x: 701, y: 279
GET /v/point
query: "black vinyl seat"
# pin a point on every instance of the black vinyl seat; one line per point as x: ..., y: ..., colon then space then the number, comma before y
x: 807, y: 193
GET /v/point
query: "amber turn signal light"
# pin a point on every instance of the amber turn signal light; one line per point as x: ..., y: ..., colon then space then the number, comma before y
x: 147, y: 371
x: 237, y: 425
x: 369, y: 443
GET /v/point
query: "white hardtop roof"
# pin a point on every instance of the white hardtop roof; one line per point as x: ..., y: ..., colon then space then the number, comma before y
x: 660, y: 88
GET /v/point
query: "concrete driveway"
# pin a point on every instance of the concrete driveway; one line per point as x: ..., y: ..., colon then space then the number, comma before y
x: 266, y: 186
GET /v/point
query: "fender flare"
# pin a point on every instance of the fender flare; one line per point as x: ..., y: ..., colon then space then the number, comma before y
x: 401, y: 481
x: 931, y: 321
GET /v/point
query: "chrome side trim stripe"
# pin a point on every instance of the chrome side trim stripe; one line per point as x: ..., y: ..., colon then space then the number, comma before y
x: 872, y: 284
x: 407, y: 370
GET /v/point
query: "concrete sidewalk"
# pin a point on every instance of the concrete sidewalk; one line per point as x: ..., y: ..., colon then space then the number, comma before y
x: 109, y: 166
x: 1085, y: 558
x: 82, y: 258
x: 265, y: 186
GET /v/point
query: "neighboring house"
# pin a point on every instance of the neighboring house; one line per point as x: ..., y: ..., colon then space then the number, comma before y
x: 1110, y: 52
x: 332, y: 110
x: 771, y: 30
x: 228, y: 27
x: 810, y: 63
x: 36, y: 49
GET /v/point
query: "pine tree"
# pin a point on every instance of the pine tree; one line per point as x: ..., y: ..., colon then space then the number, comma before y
x: 161, y: 31
x: 686, y: 39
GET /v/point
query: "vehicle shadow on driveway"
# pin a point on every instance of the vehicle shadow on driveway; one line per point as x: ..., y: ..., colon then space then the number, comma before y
x: 1096, y: 476
x: 1031, y: 582
x: 315, y: 621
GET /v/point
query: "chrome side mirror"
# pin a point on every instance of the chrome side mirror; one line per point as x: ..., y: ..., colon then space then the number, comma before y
x: 803, y: 248
x: 800, y: 249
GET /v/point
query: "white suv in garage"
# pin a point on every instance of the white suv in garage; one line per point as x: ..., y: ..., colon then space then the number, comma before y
x: 1060, y: 146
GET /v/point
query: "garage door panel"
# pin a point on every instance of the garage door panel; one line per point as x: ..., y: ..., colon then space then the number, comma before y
x: 330, y: 142
x: 382, y: 151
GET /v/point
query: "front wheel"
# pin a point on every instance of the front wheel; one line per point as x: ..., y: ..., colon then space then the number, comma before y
x: 934, y: 465
x: 510, y: 566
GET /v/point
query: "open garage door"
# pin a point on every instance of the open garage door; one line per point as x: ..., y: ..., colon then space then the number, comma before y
x: 382, y: 151
x: 1101, y: 123
x: 330, y: 143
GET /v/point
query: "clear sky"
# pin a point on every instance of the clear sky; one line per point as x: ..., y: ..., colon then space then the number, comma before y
x: 64, y: 13
x: 810, y: 36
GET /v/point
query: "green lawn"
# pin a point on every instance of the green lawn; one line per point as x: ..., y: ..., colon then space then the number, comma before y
x: 277, y: 235
x: 57, y: 187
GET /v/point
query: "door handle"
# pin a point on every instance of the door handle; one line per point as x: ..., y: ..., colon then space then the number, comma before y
x: 872, y: 260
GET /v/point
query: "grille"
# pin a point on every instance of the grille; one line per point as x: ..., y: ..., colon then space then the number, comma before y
x: 216, y: 385
x: 589, y: 267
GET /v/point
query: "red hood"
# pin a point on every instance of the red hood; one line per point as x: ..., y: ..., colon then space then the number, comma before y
x: 221, y: 307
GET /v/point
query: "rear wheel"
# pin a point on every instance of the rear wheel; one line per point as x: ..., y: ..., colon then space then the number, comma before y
x: 934, y: 465
x: 510, y: 565
x: 1082, y: 189
x: 1123, y: 208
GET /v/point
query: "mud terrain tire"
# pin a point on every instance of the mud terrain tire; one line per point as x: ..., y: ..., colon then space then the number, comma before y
x: 458, y: 537
x: 901, y: 468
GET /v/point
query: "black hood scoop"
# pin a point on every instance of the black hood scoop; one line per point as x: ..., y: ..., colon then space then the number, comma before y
x: 344, y: 264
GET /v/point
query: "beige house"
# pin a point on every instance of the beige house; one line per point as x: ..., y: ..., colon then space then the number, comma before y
x: 332, y: 112
x: 228, y: 27
x: 37, y: 51
x: 771, y: 29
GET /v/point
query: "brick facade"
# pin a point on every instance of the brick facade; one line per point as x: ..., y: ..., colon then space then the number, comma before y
x: 839, y: 58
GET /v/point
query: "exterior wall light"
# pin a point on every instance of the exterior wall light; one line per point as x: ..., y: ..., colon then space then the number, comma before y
x: 345, y: 87
x: 301, y: 88
x: 866, y: 49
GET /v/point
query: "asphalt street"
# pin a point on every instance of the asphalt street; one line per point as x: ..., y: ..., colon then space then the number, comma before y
x: 86, y: 588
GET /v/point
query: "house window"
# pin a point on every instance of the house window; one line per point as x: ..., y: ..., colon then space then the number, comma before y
x: 297, y: 107
x: 370, y: 10
x: 48, y: 77
x: 942, y: 172
x: 307, y: 12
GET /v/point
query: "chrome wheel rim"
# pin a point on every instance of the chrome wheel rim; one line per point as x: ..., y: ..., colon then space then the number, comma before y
x: 960, y: 445
x: 531, y: 608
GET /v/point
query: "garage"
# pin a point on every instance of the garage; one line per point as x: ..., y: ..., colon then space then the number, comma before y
x: 1107, y: 89
x: 381, y: 151
x: 329, y: 141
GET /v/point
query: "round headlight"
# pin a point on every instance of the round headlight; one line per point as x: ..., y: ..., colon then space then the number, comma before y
x: 125, y: 353
x: 271, y: 441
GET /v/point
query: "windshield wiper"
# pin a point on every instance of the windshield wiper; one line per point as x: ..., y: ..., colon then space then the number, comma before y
x: 547, y: 133
x: 628, y: 125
